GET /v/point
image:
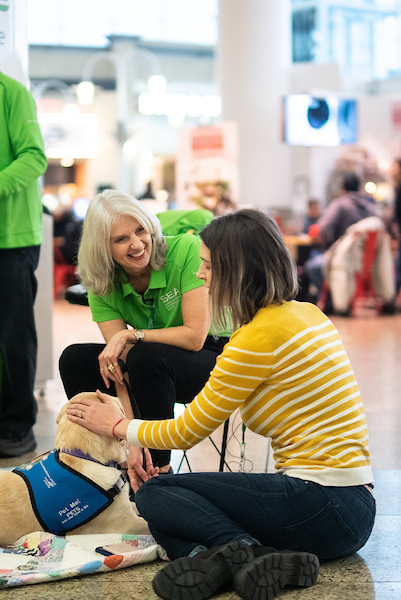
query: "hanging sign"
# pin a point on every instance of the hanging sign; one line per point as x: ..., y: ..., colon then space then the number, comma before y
x: 207, y: 168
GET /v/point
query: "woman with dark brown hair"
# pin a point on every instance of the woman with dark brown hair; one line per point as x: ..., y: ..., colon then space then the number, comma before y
x: 287, y: 372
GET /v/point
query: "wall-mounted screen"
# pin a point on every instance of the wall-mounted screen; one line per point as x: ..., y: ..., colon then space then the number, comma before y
x: 328, y: 121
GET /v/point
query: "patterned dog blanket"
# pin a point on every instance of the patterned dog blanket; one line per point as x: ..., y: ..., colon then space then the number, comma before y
x: 39, y: 557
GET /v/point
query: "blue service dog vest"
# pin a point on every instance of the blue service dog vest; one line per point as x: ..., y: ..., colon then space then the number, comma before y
x: 62, y: 498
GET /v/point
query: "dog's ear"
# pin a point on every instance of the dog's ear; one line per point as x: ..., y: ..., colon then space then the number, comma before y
x: 61, y: 413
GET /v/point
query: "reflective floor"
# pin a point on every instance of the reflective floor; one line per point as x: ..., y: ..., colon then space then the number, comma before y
x: 374, y: 348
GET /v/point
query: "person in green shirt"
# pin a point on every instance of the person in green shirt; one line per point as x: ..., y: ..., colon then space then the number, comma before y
x: 22, y: 161
x: 153, y: 313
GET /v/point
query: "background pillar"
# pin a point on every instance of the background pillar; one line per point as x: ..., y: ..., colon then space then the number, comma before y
x: 253, y: 71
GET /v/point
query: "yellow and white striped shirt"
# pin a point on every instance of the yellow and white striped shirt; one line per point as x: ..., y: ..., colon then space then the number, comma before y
x: 288, y: 373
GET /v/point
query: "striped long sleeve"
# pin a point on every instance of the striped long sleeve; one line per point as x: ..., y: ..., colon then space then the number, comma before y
x: 288, y: 373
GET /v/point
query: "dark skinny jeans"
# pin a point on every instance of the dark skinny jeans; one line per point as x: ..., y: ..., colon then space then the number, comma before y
x: 210, y: 509
x: 160, y: 375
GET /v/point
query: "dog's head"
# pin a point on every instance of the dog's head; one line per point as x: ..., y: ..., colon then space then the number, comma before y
x: 70, y: 436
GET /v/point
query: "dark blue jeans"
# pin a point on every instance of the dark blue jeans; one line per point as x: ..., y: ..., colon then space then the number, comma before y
x: 18, y: 342
x: 211, y: 509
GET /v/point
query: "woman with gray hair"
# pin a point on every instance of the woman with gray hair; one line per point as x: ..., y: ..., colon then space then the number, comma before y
x: 152, y: 311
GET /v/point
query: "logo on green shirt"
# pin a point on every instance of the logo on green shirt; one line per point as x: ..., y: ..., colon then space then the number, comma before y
x: 171, y: 298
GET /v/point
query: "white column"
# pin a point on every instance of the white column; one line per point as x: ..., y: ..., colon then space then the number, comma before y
x: 123, y: 50
x: 14, y: 39
x: 254, y: 62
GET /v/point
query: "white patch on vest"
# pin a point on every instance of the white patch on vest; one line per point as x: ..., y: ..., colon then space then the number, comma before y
x: 48, y: 479
x: 71, y: 511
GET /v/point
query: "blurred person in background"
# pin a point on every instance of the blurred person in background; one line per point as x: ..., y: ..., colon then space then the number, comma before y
x: 312, y: 215
x: 352, y: 206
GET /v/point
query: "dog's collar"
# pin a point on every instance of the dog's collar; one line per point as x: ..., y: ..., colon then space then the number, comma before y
x: 80, y: 454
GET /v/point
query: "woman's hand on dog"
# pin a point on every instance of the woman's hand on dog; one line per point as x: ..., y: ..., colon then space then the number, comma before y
x: 100, y: 417
x: 136, y: 472
x: 105, y: 418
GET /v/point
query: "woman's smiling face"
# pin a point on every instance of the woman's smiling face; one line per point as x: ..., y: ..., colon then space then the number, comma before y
x: 130, y: 245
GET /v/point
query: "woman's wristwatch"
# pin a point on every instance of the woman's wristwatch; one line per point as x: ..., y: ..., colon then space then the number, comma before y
x: 139, y: 335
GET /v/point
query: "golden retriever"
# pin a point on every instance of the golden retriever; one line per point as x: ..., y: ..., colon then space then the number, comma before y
x: 17, y: 516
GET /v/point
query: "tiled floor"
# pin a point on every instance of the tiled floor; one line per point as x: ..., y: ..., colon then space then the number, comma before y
x: 374, y: 347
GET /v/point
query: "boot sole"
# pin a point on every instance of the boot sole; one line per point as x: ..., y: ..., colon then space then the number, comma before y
x: 191, y: 578
x: 265, y: 576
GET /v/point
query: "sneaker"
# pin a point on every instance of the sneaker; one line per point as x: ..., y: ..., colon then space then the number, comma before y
x: 16, y: 443
x: 202, y: 575
x: 265, y: 576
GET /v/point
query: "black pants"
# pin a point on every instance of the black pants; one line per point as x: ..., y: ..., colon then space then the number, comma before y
x: 160, y: 375
x: 18, y: 342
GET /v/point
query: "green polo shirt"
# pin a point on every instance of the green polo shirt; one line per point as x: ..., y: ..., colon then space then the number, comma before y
x: 161, y: 304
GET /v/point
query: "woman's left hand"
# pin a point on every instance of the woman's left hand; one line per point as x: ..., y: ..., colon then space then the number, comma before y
x: 108, y: 358
x: 99, y: 417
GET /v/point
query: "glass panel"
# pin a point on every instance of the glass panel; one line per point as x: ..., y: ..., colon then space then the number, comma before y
x: 365, y: 40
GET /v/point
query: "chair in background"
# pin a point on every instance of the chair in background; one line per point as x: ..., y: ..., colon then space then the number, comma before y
x: 364, y: 288
x: 77, y: 294
x: 221, y: 451
x: 64, y: 277
x: 359, y: 270
x: 234, y: 444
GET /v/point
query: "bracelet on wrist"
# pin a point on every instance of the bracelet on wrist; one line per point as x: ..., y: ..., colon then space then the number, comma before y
x: 115, y: 425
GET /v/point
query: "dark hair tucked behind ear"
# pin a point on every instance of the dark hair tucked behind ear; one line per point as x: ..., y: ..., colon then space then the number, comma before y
x: 251, y: 266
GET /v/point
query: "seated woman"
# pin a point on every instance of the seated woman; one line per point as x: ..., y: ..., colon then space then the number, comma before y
x: 286, y: 369
x: 137, y: 277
